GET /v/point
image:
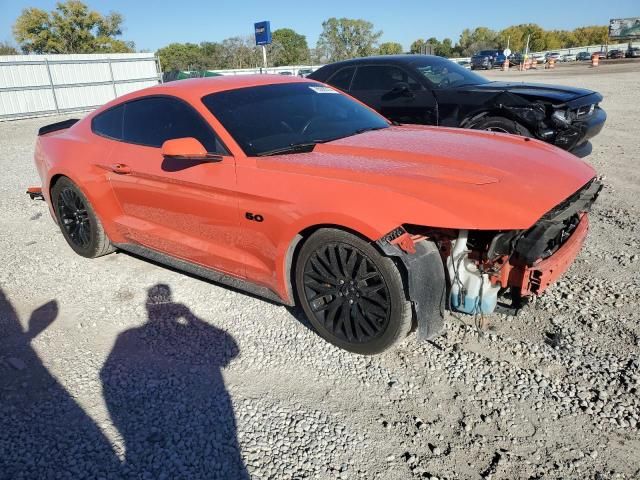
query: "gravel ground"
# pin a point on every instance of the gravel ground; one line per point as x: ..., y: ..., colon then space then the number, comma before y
x: 118, y: 368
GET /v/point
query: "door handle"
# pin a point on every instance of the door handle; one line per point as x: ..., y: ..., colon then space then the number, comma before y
x: 120, y: 169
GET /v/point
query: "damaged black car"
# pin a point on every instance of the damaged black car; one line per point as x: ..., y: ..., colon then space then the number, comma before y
x: 429, y: 90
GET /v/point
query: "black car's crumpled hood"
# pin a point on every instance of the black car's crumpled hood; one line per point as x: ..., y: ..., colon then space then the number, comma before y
x: 554, y: 93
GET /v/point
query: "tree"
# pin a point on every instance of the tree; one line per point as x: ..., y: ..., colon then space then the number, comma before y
x: 241, y: 52
x: 70, y: 28
x: 344, y: 38
x: 7, y: 49
x: 591, y: 35
x: 477, y: 39
x: 417, y: 46
x: 390, y: 48
x: 444, y: 48
x: 213, y: 55
x: 181, y: 56
x: 288, y: 48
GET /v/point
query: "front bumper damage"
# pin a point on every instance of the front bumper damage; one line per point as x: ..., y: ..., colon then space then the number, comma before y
x: 529, y: 280
x: 581, y: 131
x: 524, y: 263
x: 476, y: 267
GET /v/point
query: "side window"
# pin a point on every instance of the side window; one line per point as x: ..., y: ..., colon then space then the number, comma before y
x: 151, y: 121
x: 342, y: 78
x: 381, y: 77
x: 109, y: 123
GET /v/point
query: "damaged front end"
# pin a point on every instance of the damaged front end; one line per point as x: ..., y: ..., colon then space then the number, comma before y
x: 567, y: 124
x: 572, y: 124
x: 482, y: 264
x: 481, y: 267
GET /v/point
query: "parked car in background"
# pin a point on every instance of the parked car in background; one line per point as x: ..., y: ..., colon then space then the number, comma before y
x: 583, y: 56
x: 633, y: 52
x: 568, y: 57
x: 602, y: 55
x: 487, y: 59
x: 431, y: 90
x: 552, y: 55
x: 285, y: 73
x: 465, y: 64
x: 304, y: 72
x: 516, y: 58
x: 296, y: 192
x: 539, y: 58
x: 613, y: 54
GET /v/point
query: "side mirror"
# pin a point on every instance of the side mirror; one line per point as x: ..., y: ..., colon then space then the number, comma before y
x: 402, y: 88
x: 187, y: 148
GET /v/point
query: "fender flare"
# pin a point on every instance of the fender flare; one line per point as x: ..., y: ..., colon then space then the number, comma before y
x: 425, y: 283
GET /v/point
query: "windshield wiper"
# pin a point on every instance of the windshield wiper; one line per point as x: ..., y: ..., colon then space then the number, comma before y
x: 291, y: 148
x: 366, y: 129
x: 357, y: 132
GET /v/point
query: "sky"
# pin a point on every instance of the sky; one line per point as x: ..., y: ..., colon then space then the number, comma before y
x: 154, y: 24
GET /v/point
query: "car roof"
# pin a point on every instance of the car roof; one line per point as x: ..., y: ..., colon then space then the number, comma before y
x: 207, y: 85
x: 195, y: 88
x: 401, y: 59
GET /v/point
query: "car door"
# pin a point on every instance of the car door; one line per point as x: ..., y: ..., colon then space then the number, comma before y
x: 395, y: 93
x: 181, y: 207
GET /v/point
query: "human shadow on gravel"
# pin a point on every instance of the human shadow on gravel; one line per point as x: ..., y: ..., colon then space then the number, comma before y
x: 44, y: 432
x: 164, y: 390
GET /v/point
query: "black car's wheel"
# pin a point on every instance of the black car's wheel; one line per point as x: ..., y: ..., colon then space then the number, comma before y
x: 352, y: 295
x: 502, y: 125
x: 80, y: 226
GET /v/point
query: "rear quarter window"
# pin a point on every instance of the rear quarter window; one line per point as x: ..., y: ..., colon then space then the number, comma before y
x: 109, y: 123
x: 342, y: 78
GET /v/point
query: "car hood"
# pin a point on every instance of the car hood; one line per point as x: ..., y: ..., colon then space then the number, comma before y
x: 555, y: 93
x: 449, y: 177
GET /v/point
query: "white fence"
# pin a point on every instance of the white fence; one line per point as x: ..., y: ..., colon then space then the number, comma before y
x: 35, y: 85
x: 293, y: 70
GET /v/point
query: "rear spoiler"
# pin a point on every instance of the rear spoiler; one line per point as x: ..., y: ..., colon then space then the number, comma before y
x: 54, y: 127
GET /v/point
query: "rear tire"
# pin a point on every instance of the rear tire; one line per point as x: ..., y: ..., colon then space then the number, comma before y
x: 78, y: 221
x: 353, y: 296
x: 502, y: 125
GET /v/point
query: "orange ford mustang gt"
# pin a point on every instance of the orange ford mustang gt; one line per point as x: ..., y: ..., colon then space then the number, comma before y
x: 297, y: 192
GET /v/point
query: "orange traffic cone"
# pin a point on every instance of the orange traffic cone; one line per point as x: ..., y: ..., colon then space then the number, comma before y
x: 595, y: 59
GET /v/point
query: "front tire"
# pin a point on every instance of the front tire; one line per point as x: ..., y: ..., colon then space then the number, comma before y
x: 502, y: 125
x: 353, y: 296
x: 78, y: 221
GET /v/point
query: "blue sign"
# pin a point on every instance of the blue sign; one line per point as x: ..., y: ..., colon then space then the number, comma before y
x: 263, y: 32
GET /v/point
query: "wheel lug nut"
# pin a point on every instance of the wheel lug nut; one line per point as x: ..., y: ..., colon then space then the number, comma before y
x: 351, y: 301
x: 341, y: 282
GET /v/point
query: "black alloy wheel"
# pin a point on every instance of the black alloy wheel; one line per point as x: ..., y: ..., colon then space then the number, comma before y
x: 352, y: 294
x: 347, y: 293
x: 74, y: 217
x: 78, y: 222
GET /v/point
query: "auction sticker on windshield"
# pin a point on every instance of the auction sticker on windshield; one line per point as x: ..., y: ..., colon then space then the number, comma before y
x: 323, y: 90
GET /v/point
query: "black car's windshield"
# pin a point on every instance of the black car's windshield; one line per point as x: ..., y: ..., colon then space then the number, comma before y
x: 282, y: 117
x: 443, y: 73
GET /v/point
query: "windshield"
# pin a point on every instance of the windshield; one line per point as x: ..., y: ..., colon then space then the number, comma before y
x: 443, y: 73
x: 486, y: 53
x: 269, y: 118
